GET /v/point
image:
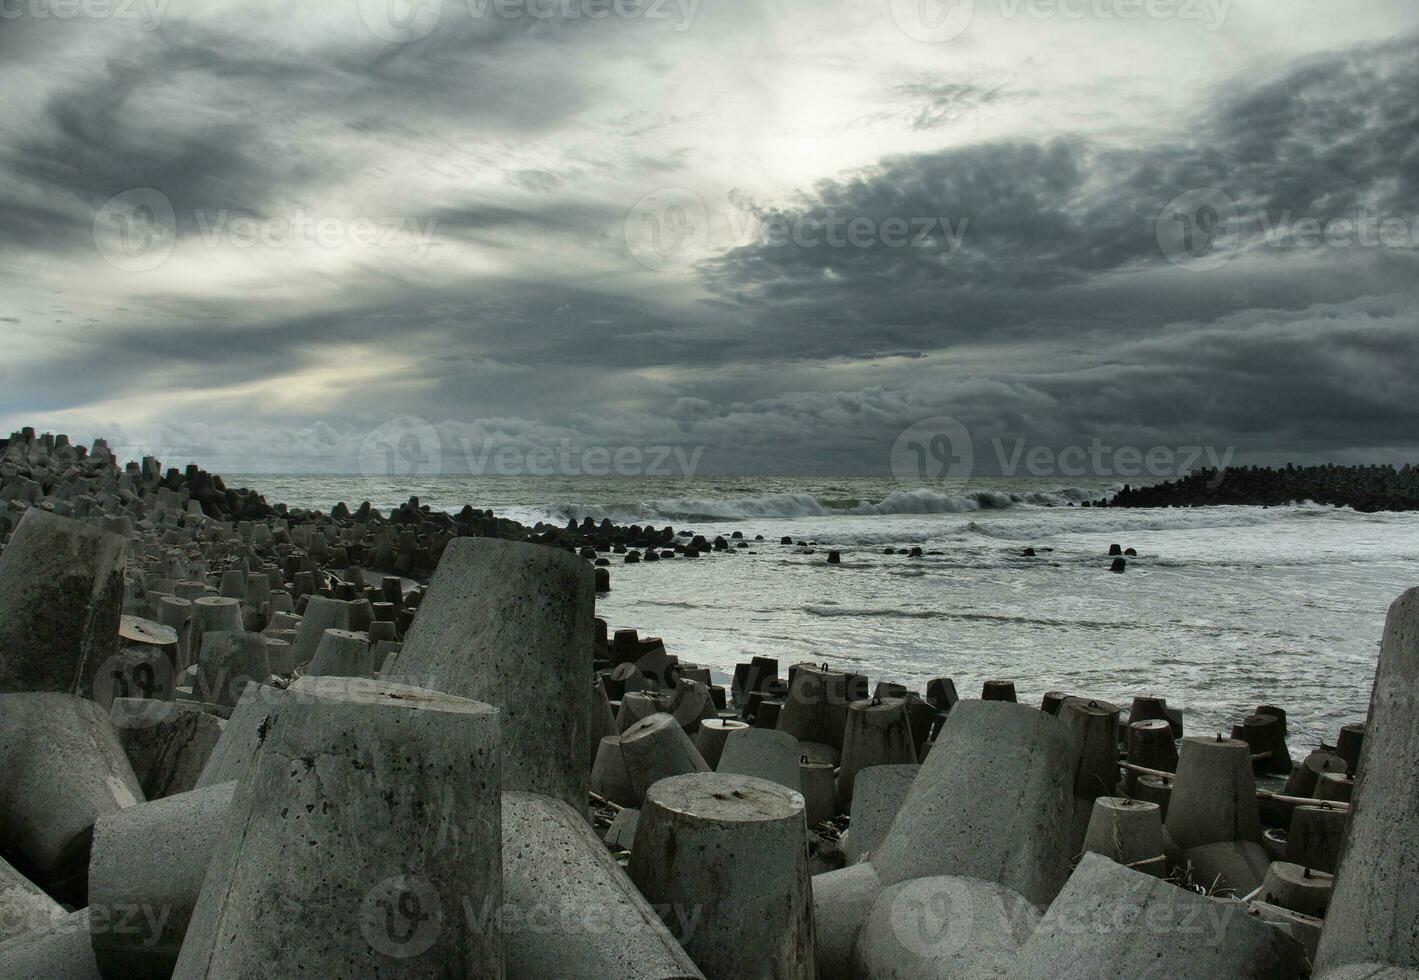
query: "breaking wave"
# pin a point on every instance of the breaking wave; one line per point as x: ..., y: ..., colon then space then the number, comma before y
x: 920, y: 501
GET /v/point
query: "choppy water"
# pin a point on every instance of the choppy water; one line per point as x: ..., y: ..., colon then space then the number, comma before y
x: 1225, y: 608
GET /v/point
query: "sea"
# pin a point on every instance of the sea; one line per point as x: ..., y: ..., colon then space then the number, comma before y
x: 1223, y: 609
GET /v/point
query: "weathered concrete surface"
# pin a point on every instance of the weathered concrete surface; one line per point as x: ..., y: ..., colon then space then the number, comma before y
x: 167, y: 742
x: 145, y: 874
x: 241, y: 736
x: 942, y: 927
x: 880, y: 793
x: 992, y: 801
x: 1129, y: 832
x: 656, y: 748
x: 61, y: 768
x: 732, y: 849
x: 841, y: 901
x: 877, y: 734
x: 577, y: 915
x: 1214, y: 796
x: 1111, y: 922
x: 321, y: 614
x: 61, y: 599
x: 59, y: 952
x: 512, y: 624
x: 227, y: 662
x: 24, y: 907
x: 342, y: 653
x: 762, y: 753
x: 368, y: 817
x: 1374, y: 912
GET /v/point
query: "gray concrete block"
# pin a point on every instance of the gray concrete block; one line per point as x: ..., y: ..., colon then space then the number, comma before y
x: 764, y: 754
x: 881, y: 790
x: 841, y: 901
x: 60, y: 951
x: 576, y: 914
x: 732, y: 851
x: 367, y: 823
x: 61, y: 599
x: 61, y: 769
x: 145, y: 874
x: 1374, y: 912
x: 167, y: 742
x: 1112, y: 922
x: 942, y: 926
x: 511, y: 624
x: 24, y: 907
x: 992, y: 801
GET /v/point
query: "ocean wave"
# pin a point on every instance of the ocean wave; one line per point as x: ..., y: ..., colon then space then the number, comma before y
x: 790, y: 505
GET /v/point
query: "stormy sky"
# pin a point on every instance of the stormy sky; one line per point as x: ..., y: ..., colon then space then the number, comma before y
x: 781, y: 233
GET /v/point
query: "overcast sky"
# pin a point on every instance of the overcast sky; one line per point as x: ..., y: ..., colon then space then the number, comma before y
x: 781, y: 232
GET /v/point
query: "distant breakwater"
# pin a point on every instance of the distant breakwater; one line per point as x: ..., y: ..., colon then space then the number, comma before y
x: 1367, y: 489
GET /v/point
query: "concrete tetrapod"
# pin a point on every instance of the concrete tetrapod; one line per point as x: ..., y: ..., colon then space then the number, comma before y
x: 321, y: 614
x: 61, y: 599
x: 1214, y: 796
x: 764, y: 754
x: 60, y: 951
x: 841, y: 901
x: 877, y: 734
x: 992, y: 801
x: 512, y: 624
x: 24, y: 907
x: 145, y: 874
x: 941, y: 926
x: 1111, y: 922
x: 712, y: 735
x: 879, y: 795
x: 342, y: 653
x: 61, y: 769
x: 167, y: 742
x: 1129, y: 832
x: 211, y: 614
x: 1374, y: 910
x: 368, y: 817
x: 815, y: 708
x: 226, y: 662
x: 577, y: 915
x: 241, y: 736
x: 654, y: 749
x: 734, y: 851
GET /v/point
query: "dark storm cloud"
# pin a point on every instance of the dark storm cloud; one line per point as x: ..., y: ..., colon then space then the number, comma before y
x: 1334, y: 135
